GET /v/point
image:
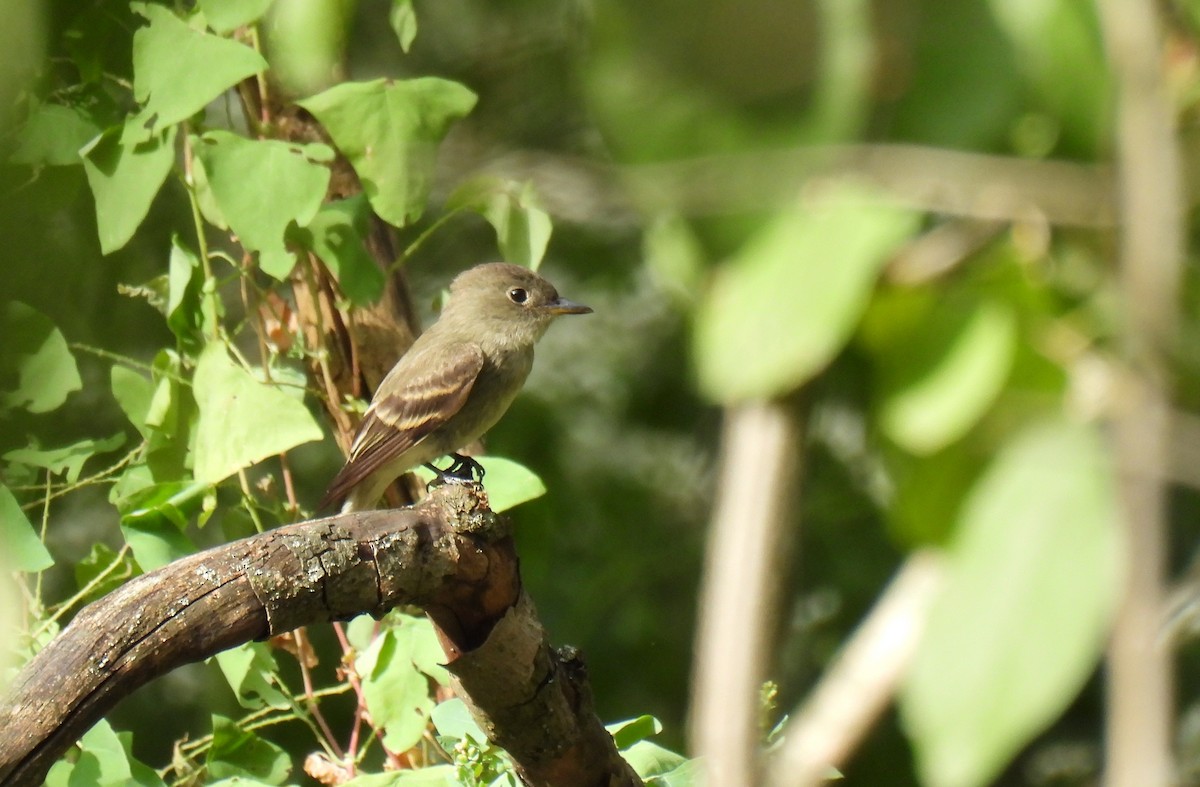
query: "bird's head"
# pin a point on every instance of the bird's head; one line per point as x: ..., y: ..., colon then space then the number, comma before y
x: 507, y: 300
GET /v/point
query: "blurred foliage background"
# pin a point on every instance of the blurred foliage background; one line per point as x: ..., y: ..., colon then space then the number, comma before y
x: 669, y: 142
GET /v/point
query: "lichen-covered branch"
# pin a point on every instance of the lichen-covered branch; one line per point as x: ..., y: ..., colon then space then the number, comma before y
x: 448, y: 554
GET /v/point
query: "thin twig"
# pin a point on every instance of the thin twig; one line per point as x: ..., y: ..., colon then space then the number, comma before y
x: 1139, y: 680
x: 855, y: 690
x: 310, y: 701
x: 747, y: 550
x: 64, y: 607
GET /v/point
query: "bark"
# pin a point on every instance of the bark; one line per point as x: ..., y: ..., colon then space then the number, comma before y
x: 448, y: 554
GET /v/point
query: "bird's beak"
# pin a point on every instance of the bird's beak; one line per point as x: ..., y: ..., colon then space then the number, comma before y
x: 563, y: 306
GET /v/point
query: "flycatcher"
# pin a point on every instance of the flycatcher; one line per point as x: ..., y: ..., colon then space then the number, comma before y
x: 454, y: 383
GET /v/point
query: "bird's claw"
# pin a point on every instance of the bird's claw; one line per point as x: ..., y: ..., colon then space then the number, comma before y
x: 463, y: 470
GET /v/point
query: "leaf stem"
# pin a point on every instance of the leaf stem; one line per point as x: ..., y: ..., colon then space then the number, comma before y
x: 201, y: 240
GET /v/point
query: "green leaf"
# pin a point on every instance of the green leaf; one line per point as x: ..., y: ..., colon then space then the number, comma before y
x: 415, y: 636
x: 675, y: 257
x: 1060, y: 52
x: 389, y: 132
x: 691, y: 774
x: 68, y: 460
x: 508, y: 483
x: 403, y: 19
x: 361, y: 631
x: 522, y: 227
x: 54, y: 135
x: 167, y: 421
x: 780, y: 311
x: 23, y: 550
x: 452, y: 720
x: 133, y: 393
x: 124, y: 177
x: 965, y: 90
x: 155, y: 540
x: 261, y: 186
x: 948, y: 373
x: 249, y: 670
x: 396, y: 691
x: 1022, y: 618
x: 225, y: 16
x: 242, y: 421
x: 336, y: 235
x: 238, y: 752
x: 185, y: 311
x: 111, y: 762
x: 177, y: 71
x: 98, y: 561
x: 176, y: 500
x: 929, y: 491
x: 105, y: 760
x: 434, y: 776
x: 650, y: 759
x: 628, y: 732
x: 34, y: 358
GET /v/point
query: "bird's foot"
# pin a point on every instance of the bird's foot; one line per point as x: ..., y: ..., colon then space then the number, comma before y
x: 463, y: 470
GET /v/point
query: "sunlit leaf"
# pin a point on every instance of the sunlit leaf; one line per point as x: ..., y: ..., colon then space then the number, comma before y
x: 779, y: 311
x: 944, y: 377
x: 155, y: 539
x: 508, y: 483
x: 124, y: 177
x: 184, y: 310
x: 67, y: 460
x: 397, y: 693
x: 104, y: 759
x: 261, y: 187
x: 242, y: 420
x: 225, y: 16
x: 451, y: 719
x: 1022, y: 618
x: 111, y: 760
x: 240, y: 752
x: 35, y: 355
x: 415, y: 636
x: 522, y: 227
x: 626, y: 733
x: 23, y: 550
x: 54, y: 135
x: 390, y: 131
x: 433, y: 776
x: 249, y: 670
x: 336, y: 235
x: 688, y: 774
x: 361, y: 631
x: 403, y: 19
x: 133, y: 393
x: 177, y: 71
x: 650, y: 759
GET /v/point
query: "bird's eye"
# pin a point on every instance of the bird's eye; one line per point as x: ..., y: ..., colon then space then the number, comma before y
x: 518, y: 295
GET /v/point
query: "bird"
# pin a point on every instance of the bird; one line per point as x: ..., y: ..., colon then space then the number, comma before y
x: 453, y: 384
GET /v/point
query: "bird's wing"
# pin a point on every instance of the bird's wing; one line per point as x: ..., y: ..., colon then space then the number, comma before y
x: 397, y: 421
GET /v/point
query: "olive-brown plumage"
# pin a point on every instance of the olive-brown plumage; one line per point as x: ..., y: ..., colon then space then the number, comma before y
x: 454, y: 383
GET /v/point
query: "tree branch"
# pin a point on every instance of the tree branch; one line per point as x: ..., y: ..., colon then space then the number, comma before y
x: 1151, y: 214
x: 448, y: 554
